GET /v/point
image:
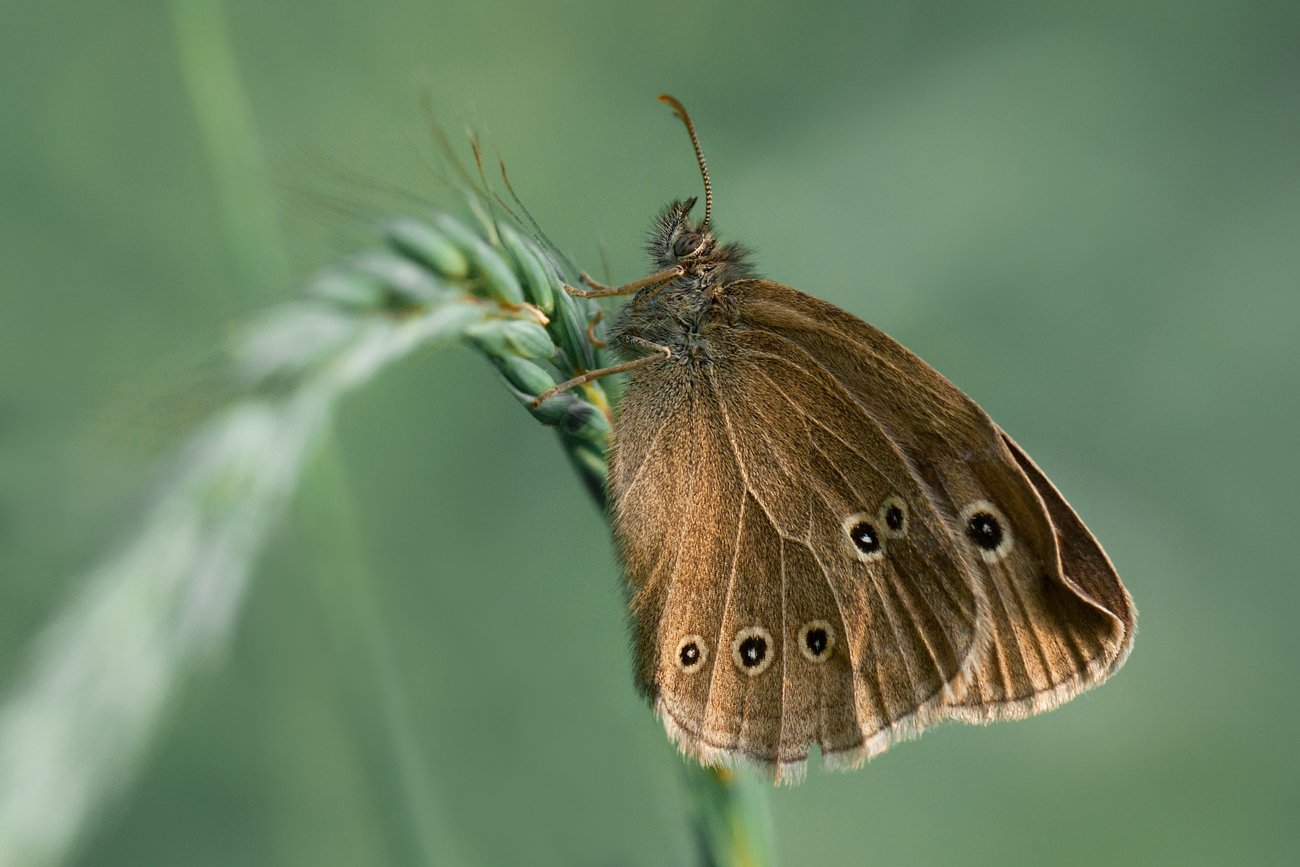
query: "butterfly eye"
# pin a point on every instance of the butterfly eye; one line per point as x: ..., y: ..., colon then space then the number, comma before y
x: 894, y: 517
x: 686, y: 244
x: 816, y: 640
x: 752, y: 650
x: 988, y: 530
x: 691, y: 653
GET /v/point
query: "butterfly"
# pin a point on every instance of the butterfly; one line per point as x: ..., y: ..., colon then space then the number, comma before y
x: 826, y: 543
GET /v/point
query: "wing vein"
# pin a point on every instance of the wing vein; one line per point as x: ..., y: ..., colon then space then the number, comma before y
x: 1039, y: 650
x: 1001, y: 646
x: 785, y: 679
x: 719, y: 658
x: 798, y: 408
x: 854, y: 658
x: 687, y: 514
x: 645, y: 459
x: 735, y: 450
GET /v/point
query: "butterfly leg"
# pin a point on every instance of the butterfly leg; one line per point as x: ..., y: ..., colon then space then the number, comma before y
x: 600, y: 290
x: 658, y: 353
x: 591, y: 330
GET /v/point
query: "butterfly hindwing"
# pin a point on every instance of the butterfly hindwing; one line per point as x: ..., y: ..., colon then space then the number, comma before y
x: 736, y: 534
x: 1059, y: 620
x: 910, y: 607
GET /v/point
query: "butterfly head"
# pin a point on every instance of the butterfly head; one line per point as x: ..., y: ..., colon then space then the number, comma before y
x: 676, y: 241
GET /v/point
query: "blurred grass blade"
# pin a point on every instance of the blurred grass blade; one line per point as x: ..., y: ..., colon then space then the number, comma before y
x: 78, y: 717
x: 211, y: 75
x: 226, y: 121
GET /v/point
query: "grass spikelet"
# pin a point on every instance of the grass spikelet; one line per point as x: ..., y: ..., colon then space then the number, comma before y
x: 164, y: 602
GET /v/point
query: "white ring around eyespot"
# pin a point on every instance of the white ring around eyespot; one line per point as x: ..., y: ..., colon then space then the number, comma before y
x: 753, y: 632
x: 894, y: 500
x: 699, y: 645
x: 803, y: 640
x: 848, y: 524
x: 989, y: 555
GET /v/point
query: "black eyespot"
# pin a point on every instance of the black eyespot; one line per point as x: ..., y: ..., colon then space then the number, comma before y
x: 894, y: 518
x: 989, y: 530
x: 689, y: 654
x: 750, y: 650
x: 984, y: 530
x: 686, y: 244
x: 691, y: 651
x: 816, y: 641
x: 865, y: 537
x: 753, y: 650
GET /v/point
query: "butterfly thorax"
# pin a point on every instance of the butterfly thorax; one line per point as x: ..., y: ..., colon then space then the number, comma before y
x: 680, y: 313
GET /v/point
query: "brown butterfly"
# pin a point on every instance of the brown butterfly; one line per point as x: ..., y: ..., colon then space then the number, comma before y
x: 826, y: 543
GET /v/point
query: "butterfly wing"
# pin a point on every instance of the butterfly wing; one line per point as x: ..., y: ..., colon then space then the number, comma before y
x: 1060, y: 620
x: 761, y: 626
x: 1082, y: 619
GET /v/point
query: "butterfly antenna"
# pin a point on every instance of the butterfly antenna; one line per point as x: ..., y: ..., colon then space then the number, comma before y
x: 699, y: 155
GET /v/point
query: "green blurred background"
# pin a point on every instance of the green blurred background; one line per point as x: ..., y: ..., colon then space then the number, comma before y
x: 1086, y: 215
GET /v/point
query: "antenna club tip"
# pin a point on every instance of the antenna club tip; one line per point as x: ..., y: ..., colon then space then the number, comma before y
x: 673, y: 101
